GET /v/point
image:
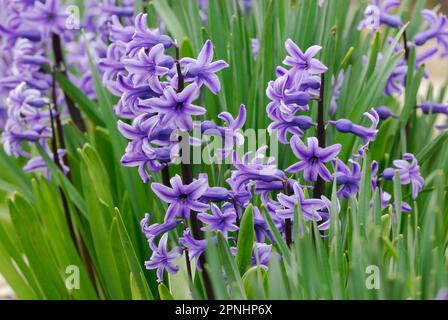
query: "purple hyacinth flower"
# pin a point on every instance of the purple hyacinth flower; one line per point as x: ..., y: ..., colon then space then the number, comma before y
x: 409, y: 171
x: 385, y: 199
x: 378, y: 13
x: 437, y: 29
x: 148, y: 66
x: 230, y: 134
x: 310, y: 207
x: 218, y: 220
x: 261, y: 254
x: 255, y: 45
x: 153, y: 231
x: 385, y: 113
x: 132, y: 99
x: 433, y: 108
x: 213, y: 194
x: 144, y: 37
x: 202, y: 70
x: 261, y: 227
x: 312, y: 158
x: 195, y: 247
x: 257, y: 169
x: 366, y: 134
x: 176, y: 107
x: 294, y: 125
x: 337, y: 86
x: 285, y: 100
x: 112, y: 64
x: 118, y: 32
x: 348, y: 179
x: 38, y: 164
x: 300, y: 62
x: 162, y: 259
x: 182, y: 198
x: 49, y: 16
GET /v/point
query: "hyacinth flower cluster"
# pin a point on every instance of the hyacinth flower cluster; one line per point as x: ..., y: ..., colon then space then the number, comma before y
x: 157, y: 94
x: 32, y: 33
x: 31, y: 104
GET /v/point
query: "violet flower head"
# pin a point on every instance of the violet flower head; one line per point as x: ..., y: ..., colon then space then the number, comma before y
x: 154, y: 230
x: 202, y: 70
x: 409, y: 171
x: 261, y: 227
x: 38, y: 164
x: 47, y: 15
x: 349, y: 180
x: 303, y: 62
x: 218, y: 220
x: 312, y: 158
x: 385, y: 113
x: 261, y: 254
x: 255, y: 45
x: 195, y: 247
x: 149, y: 66
x: 162, y: 259
x: 310, y: 207
x: 437, y: 29
x: 176, y: 107
x: 230, y: 134
x: 379, y: 13
x: 429, y: 107
x: 366, y: 134
x: 144, y: 37
x: 294, y: 125
x: 284, y: 99
x: 182, y: 198
x: 259, y: 168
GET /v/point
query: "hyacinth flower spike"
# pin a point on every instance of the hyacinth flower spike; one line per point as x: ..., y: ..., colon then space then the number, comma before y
x: 312, y: 158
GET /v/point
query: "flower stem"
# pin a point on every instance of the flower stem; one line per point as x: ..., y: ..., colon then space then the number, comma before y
x: 319, y: 187
x: 75, y: 114
x: 187, y: 178
x: 288, y: 222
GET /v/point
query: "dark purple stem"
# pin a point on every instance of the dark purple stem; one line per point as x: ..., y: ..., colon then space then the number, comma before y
x: 187, y: 177
x: 319, y: 187
x: 75, y: 114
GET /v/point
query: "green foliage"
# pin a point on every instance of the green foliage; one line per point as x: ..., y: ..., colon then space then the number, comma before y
x: 106, y: 201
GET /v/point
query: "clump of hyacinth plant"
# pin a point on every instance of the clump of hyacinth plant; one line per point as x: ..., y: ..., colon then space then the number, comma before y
x: 222, y: 149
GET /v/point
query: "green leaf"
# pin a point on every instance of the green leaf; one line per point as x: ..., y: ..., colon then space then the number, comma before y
x: 164, y: 293
x: 89, y: 107
x: 246, y: 238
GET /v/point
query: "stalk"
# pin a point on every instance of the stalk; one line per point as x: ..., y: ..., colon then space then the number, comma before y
x: 319, y: 187
x: 187, y: 177
x: 75, y: 114
x: 288, y: 222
